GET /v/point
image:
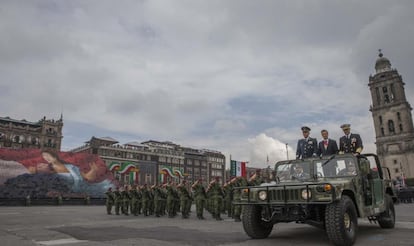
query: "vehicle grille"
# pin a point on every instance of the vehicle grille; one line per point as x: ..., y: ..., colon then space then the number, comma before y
x: 285, y: 195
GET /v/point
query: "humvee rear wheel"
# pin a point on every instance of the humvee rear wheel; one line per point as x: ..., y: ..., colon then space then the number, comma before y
x: 341, y: 221
x: 253, y: 224
x: 387, y: 218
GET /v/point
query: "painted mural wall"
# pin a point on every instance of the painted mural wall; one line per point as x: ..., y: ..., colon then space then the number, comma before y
x: 46, y: 173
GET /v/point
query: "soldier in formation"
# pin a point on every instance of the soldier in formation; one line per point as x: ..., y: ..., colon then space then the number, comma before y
x: 118, y: 200
x: 216, y: 194
x: 237, y: 183
x: 200, y: 197
x: 134, y: 195
x: 228, y: 198
x: 110, y: 200
x: 185, y: 200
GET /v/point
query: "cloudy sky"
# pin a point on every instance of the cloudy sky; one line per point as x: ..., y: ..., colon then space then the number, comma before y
x: 240, y: 77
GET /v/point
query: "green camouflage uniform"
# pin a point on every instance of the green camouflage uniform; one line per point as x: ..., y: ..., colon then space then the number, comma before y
x: 241, y: 182
x: 110, y: 200
x: 125, y: 201
x: 145, y: 200
x: 164, y: 195
x: 118, y: 201
x: 170, y: 201
x: 217, y: 198
x: 157, y: 201
x: 151, y: 202
x: 228, y: 198
x: 185, y: 201
x: 200, y: 199
x: 134, y: 201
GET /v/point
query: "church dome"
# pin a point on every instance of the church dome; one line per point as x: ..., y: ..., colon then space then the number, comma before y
x: 382, y: 64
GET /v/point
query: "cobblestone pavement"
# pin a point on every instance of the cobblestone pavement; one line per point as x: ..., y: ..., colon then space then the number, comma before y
x: 89, y: 225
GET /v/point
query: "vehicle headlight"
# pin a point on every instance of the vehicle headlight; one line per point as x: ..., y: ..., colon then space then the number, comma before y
x: 262, y: 195
x: 306, y: 194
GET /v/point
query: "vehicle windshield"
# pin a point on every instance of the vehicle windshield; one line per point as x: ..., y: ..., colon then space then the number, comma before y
x: 305, y: 170
x: 297, y: 171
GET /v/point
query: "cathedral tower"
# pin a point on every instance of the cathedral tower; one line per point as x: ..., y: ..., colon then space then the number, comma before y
x: 393, y: 122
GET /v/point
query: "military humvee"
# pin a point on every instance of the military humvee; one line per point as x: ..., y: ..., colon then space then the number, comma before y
x: 330, y: 193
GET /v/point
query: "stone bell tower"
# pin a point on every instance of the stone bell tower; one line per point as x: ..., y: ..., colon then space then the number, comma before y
x: 393, y: 122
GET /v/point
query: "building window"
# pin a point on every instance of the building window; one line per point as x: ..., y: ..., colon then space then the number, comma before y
x: 401, y: 128
x: 396, y: 170
x: 398, y: 116
x: 386, y: 98
x: 382, y: 131
x: 392, y: 93
x: 391, y: 128
x: 395, y: 162
x: 377, y: 92
x: 380, y: 119
x: 384, y: 89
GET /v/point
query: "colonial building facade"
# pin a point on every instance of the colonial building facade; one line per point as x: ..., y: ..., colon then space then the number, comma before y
x: 153, y: 162
x: 393, y: 122
x: 24, y: 134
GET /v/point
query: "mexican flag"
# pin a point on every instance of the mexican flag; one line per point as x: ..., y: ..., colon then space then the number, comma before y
x: 133, y: 177
x: 237, y: 168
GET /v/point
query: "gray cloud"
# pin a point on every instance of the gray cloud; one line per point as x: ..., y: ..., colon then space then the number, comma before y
x: 236, y: 76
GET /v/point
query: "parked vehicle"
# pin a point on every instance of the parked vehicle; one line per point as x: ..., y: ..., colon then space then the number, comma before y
x: 330, y: 193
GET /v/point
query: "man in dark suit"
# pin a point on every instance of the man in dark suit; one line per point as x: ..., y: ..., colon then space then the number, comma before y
x: 350, y: 142
x: 327, y: 146
x: 307, y: 146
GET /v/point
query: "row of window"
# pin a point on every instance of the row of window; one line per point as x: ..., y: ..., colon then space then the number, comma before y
x: 388, y: 95
x: 398, y: 118
x: 391, y: 128
x: 215, y: 159
x: 22, y: 139
x: 391, y: 125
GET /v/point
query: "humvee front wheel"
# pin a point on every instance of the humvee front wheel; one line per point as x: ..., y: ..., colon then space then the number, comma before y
x: 253, y: 224
x: 341, y: 221
x: 387, y: 218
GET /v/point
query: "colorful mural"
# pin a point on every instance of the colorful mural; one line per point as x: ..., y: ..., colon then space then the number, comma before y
x: 46, y: 173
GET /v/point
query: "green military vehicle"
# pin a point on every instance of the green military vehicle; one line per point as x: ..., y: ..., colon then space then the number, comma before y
x: 330, y: 193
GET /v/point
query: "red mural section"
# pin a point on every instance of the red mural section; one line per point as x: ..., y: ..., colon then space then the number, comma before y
x: 46, y: 173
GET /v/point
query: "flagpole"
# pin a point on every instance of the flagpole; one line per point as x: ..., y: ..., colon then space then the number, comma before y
x: 230, y: 167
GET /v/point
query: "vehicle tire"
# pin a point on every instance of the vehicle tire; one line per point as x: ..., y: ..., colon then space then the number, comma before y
x: 341, y: 221
x: 386, y: 219
x: 253, y: 224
